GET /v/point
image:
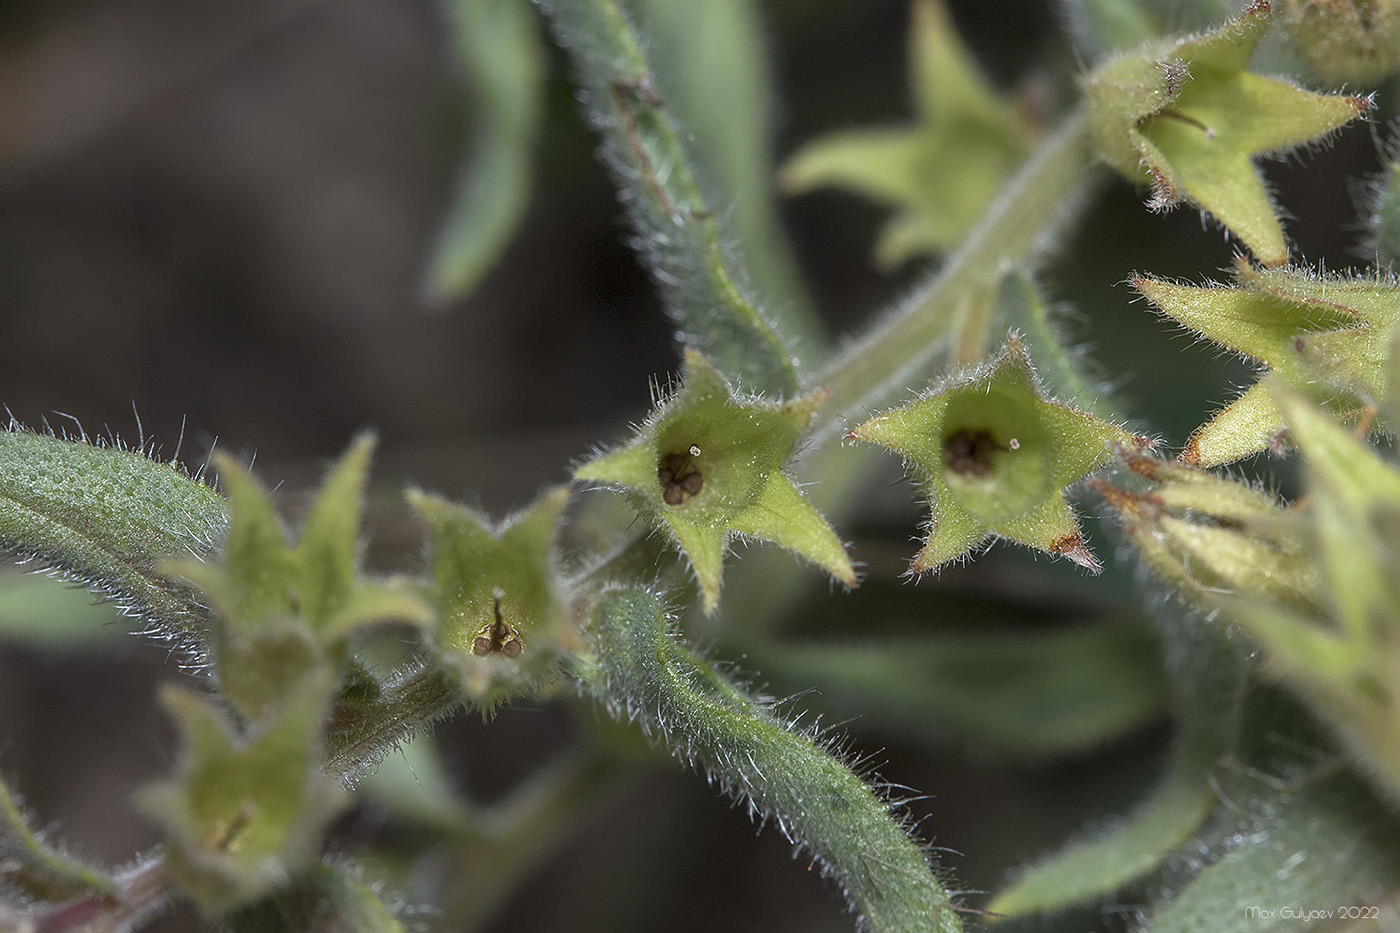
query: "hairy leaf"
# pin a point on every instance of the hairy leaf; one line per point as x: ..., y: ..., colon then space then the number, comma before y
x: 109, y: 518
x: 644, y: 673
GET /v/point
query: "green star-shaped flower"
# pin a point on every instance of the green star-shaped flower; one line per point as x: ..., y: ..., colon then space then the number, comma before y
x: 500, y: 613
x: 1187, y: 118
x: 1328, y: 338
x: 995, y: 457
x: 286, y: 610
x: 943, y: 171
x: 707, y: 466
x: 242, y: 813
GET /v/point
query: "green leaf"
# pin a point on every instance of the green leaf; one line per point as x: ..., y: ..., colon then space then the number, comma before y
x: 679, y: 233
x: 941, y: 173
x: 1316, y: 842
x: 1022, y: 693
x: 501, y: 619
x: 37, y: 870
x: 1184, y: 116
x: 996, y: 457
x: 42, y: 612
x: 502, y: 61
x: 714, y: 74
x: 640, y: 670
x: 413, y: 783
x: 243, y: 813
x: 706, y: 466
x: 1209, y: 675
x: 109, y: 518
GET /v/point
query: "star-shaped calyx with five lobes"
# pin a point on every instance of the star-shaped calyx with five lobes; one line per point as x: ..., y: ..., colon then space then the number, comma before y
x: 707, y: 465
x: 943, y: 171
x: 501, y: 618
x: 995, y: 457
x: 1184, y: 116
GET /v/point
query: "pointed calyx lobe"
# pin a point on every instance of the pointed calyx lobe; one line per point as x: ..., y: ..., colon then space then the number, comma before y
x: 995, y: 457
x: 1185, y: 117
x: 707, y: 465
x: 1327, y: 338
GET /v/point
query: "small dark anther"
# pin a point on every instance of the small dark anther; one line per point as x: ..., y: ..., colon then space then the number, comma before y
x: 680, y: 479
x: 969, y: 453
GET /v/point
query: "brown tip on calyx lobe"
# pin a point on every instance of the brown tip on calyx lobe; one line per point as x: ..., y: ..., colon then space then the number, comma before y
x: 1137, y: 461
x: 1073, y: 547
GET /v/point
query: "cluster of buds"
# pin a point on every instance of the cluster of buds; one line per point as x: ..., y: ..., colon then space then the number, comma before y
x: 1316, y: 584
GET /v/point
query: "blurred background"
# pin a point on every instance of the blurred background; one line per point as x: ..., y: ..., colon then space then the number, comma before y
x: 216, y: 216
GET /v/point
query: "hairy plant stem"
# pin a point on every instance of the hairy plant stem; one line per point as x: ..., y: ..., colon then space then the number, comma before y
x: 143, y: 891
x: 362, y: 735
x: 887, y: 359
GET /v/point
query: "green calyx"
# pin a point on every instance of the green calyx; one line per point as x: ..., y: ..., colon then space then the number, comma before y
x: 1328, y: 338
x: 1185, y: 117
x: 1212, y: 537
x: 707, y: 465
x: 501, y: 618
x: 245, y: 812
x: 942, y: 172
x: 995, y: 457
x: 285, y: 610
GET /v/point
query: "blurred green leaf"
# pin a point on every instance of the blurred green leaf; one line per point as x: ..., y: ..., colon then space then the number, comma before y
x: 501, y: 57
x: 44, y: 612
x: 1024, y: 693
x: 1210, y: 676
x: 413, y: 784
x: 1316, y: 843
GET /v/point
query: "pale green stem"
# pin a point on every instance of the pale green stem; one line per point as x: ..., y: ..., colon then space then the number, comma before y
x: 889, y: 358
